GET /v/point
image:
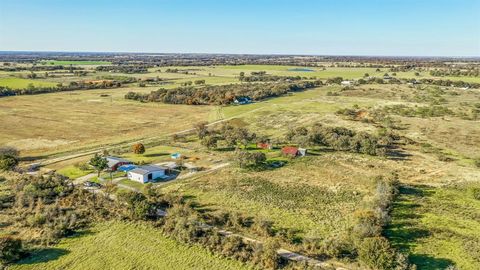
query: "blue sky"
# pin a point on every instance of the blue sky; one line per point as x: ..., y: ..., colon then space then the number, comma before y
x: 325, y: 27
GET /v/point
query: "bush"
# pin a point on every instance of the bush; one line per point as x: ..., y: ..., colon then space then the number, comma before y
x: 475, y: 193
x: 10, y: 249
x: 7, y: 163
x: 270, y: 257
x: 138, y: 148
x: 477, y: 162
x: 246, y: 159
x: 337, y: 247
x: 9, y: 151
x: 376, y: 253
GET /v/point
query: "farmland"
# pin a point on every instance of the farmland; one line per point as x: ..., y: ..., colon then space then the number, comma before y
x: 312, y: 203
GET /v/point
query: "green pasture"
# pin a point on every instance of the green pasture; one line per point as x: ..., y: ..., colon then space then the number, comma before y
x: 119, y: 245
x: 20, y: 83
x: 438, y: 226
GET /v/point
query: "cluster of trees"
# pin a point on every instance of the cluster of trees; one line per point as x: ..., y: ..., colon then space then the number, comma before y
x: 39, y: 68
x: 182, y: 224
x: 249, y: 160
x: 123, y: 79
x: 220, y: 94
x: 196, y: 82
x: 129, y: 69
x: 269, y: 78
x: 455, y: 72
x: 449, y: 83
x: 8, y: 158
x: 419, y: 111
x: 50, y: 207
x: 373, y: 248
x: 34, y: 90
x: 181, y: 71
x: 230, y: 135
x: 392, y: 80
x: 340, y: 139
x: 365, y: 240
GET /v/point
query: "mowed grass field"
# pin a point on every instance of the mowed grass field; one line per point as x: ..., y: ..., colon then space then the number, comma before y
x: 20, y: 83
x: 120, y: 246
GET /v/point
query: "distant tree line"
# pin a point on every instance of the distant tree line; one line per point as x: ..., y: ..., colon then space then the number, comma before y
x: 34, y: 90
x: 455, y: 72
x: 393, y: 80
x: 270, y: 78
x: 129, y: 69
x: 220, y: 94
x: 39, y: 68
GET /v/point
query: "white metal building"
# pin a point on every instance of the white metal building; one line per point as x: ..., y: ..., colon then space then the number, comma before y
x: 144, y: 174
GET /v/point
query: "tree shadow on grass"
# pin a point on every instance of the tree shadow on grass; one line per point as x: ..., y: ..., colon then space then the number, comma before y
x: 43, y: 255
x: 156, y: 154
x: 427, y: 262
x: 406, y: 229
x: 398, y: 154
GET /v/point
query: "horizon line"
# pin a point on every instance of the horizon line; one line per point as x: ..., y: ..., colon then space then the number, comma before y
x: 223, y: 53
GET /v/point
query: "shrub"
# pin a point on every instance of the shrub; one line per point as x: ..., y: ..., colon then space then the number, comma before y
x: 376, y: 253
x: 10, y: 249
x: 475, y: 193
x: 270, y: 258
x: 337, y: 246
x: 9, y: 151
x: 209, y: 141
x: 138, y: 148
x: 137, y: 204
x: 477, y: 162
x: 7, y: 163
x: 246, y: 159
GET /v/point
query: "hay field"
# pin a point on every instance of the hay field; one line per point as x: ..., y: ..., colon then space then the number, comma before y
x: 56, y: 122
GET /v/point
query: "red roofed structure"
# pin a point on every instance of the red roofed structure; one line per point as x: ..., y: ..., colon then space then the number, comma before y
x: 290, y: 151
x: 293, y: 151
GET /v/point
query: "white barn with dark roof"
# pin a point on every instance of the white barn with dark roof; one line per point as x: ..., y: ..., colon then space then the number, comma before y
x: 144, y: 174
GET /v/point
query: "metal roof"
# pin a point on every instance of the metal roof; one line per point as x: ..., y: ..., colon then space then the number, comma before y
x: 147, y: 169
x: 114, y: 160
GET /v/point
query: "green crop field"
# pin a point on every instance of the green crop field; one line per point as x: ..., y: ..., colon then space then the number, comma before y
x: 123, y: 246
x: 19, y: 83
